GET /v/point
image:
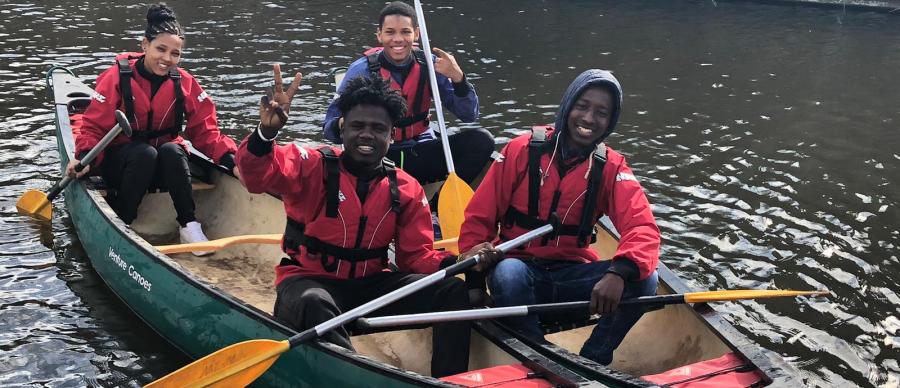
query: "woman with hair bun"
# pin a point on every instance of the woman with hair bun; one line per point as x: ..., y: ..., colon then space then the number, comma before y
x: 163, y: 103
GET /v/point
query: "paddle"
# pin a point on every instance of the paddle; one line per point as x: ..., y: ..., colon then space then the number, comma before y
x: 455, y: 193
x: 569, y: 307
x: 36, y: 204
x: 239, y: 364
x: 275, y: 238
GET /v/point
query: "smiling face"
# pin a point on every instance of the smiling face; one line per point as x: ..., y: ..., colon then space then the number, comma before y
x: 397, y: 35
x: 589, y: 117
x: 367, y: 134
x: 162, y: 53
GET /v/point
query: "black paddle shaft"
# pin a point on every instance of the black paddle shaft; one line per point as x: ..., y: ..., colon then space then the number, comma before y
x: 122, y: 126
x: 408, y: 289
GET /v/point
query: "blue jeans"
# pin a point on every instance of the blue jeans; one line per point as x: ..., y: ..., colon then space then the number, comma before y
x: 515, y: 282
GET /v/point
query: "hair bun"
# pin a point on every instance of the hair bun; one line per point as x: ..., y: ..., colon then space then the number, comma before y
x: 160, y: 13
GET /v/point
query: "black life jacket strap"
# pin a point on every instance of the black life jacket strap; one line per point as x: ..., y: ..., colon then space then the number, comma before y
x: 175, y: 76
x: 330, y: 254
x: 125, y: 74
x: 595, y: 180
x: 522, y: 220
x: 332, y: 180
x: 535, y: 146
x: 391, y: 170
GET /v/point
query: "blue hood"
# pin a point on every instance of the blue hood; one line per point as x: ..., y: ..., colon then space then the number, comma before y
x: 589, y: 78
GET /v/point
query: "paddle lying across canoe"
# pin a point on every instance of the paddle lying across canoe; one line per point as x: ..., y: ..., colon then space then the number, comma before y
x: 203, y: 304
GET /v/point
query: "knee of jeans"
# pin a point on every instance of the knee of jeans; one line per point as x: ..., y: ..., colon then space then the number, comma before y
x: 647, y: 286
x: 510, y: 274
x: 143, y: 154
x: 482, y: 140
x: 171, y: 151
x: 313, y: 299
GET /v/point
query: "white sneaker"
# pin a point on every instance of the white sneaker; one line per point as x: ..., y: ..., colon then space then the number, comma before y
x: 193, y: 233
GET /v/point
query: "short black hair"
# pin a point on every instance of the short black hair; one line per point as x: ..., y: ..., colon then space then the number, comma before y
x: 372, y: 91
x: 398, y: 8
x: 161, y: 19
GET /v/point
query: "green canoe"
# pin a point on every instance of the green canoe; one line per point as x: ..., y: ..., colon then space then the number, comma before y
x: 202, y: 304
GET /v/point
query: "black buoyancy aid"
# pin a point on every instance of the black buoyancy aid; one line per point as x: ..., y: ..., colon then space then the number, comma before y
x: 294, y: 233
x: 125, y: 74
x: 414, y: 90
x: 532, y: 220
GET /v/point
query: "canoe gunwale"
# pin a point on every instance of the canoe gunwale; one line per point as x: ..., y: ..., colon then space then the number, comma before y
x: 769, y: 365
x: 66, y: 143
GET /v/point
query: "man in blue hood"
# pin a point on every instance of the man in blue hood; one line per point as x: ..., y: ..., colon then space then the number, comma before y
x: 567, y: 176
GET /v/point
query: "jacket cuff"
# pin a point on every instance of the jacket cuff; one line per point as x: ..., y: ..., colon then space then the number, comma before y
x: 227, y: 161
x: 257, y: 146
x: 447, y: 261
x: 461, y: 88
x: 625, y: 268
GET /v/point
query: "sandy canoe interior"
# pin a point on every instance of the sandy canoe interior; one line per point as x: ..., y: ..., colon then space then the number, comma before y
x: 674, y: 335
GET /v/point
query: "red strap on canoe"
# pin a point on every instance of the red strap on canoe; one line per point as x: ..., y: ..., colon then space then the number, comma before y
x: 727, y: 371
x: 516, y: 375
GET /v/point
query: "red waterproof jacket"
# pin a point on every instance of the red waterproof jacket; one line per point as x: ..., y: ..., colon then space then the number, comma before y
x: 621, y: 198
x: 201, y: 126
x: 297, y: 174
x: 416, y: 90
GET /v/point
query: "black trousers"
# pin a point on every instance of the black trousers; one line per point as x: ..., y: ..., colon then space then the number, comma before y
x: 130, y: 169
x: 471, y: 151
x: 304, y: 302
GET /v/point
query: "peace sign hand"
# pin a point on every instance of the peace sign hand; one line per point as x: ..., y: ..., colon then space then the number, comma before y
x: 275, y: 105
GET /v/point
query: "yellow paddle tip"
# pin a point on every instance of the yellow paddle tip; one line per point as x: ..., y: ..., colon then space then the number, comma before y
x: 726, y: 295
x: 35, y: 204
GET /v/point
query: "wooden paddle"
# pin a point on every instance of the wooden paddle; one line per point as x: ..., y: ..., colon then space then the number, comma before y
x: 36, y: 204
x: 455, y: 193
x: 275, y: 238
x: 569, y: 307
x: 239, y: 364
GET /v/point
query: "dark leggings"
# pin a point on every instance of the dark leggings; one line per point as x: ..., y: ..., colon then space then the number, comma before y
x: 131, y: 168
x: 304, y: 302
x: 471, y: 151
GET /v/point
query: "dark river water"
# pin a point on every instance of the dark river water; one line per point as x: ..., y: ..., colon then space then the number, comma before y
x: 766, y: 137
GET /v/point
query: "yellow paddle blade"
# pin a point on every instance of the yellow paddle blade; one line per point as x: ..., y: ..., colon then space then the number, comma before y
x: 448, y: 244
x: 721, y: 296
x: 35, y: 203
x: 235, y: 366
x: 214, y: 245
x: 454, y: 197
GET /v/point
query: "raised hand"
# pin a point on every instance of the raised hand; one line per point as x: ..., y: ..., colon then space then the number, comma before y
x: 445, y: 63
x: 275, y: 105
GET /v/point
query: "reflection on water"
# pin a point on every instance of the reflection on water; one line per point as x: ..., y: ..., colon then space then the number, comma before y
x: 764, y: 135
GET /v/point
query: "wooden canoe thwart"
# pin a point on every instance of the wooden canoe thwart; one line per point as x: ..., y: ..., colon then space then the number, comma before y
x: 203, y: 304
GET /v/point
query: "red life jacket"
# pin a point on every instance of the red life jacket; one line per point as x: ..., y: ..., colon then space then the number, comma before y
x: 126, y: 63
x: 415, y: 90
x: 326, y: 246
x: 516, y: 222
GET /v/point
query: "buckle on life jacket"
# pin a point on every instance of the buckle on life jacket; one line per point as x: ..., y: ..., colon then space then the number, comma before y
x: 329, y: 254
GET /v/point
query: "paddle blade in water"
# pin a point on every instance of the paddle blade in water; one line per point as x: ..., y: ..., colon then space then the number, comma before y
x: 235, y: 366
x: 35, y: 203
x: 719, y: 296
x: 454, y: 197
